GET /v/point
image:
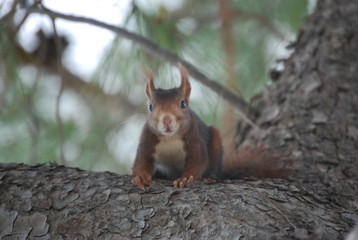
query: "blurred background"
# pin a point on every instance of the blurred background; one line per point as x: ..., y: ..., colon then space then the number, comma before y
x: 73, y: 94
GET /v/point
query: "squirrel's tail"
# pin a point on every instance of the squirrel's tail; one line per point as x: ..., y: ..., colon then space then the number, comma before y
x: 257, y: 162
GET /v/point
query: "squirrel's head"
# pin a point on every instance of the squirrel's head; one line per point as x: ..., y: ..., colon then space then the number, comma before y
x: 168, y: 108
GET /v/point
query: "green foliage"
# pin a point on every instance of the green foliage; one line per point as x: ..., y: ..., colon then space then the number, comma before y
x: 291, y: 12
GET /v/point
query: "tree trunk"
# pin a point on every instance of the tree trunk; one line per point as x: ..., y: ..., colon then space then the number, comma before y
x: 310, y: 112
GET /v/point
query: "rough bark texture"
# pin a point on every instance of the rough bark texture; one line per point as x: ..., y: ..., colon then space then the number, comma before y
x: 311, y: 112
x: 54, y: 202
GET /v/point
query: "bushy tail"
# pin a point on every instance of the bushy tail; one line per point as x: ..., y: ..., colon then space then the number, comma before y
x: 257, y: 162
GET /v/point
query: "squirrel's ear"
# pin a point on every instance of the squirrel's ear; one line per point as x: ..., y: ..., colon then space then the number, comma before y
x: 185, y: 86
x: 149, y: 87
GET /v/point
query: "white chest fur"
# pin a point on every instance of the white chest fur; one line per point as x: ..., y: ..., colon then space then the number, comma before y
x: 169, y: 156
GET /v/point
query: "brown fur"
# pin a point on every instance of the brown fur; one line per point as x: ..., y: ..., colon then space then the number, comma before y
x: 215, y: 150
x: 176, y: 144
x: 258, y: 162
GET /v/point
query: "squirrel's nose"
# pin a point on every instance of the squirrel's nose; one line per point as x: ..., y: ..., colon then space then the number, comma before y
x: 167, y: 120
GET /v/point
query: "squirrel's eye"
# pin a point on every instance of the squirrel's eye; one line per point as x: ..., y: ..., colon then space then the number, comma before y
x: 183, y: 104
x: 150, y: 107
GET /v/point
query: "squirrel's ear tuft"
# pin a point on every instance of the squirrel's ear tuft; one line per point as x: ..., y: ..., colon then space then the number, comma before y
x: 149, y: 78
x: 185, y: 86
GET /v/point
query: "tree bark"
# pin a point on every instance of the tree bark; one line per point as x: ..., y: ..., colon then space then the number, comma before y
x: 310, y: 112
x: 56, y: 202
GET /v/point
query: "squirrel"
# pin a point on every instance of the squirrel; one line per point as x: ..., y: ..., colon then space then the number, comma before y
x: 176, y: 144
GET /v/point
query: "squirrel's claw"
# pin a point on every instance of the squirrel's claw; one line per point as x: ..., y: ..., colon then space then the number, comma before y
x: 142, y: 181
x: 183, y: 181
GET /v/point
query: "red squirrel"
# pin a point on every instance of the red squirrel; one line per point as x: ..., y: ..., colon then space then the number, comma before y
x: 176, y: 144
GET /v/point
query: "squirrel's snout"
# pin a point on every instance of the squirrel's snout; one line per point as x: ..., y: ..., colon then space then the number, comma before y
x: 167, y: 120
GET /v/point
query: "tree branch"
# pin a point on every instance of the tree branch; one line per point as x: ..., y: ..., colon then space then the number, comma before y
x: 55, y: 202
x: 153, y: 49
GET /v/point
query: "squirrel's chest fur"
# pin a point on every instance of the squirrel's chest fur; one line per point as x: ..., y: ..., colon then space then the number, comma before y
x: 169, y: 157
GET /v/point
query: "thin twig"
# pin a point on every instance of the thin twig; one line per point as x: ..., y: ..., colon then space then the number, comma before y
x: 34, y: 126
x: 153, y: 49
x: 21, y: 23
x: 60, y: 125
x: 58, y: 99
x: 10, y: 14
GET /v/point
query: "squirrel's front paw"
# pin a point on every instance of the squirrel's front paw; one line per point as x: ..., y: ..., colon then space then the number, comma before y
x: 142, y: 181
x: 183, y: 181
